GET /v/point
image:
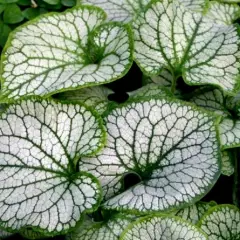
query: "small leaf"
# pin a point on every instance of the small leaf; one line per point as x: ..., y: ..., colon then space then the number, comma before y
x: 4, y: 33
x: 194, y: 212
x: 31, y: 234
x: 95, y: 97
x: 12, y: 14
x: 229, y: 133
x: 52, y: 2
x: 221, y: 222
x: 162, y: 227
x: 4, y: 234
x: 65, y: 51
x: 8, y: 1
x: 170, y: 145
x: 203, y: 53
x: 223, y: 13
x: 212, y: 100
x: 68, y: 3
x: 40, y: 143
x: 227, y: 163
x: 24, y: 2
x: 163, y: 79
x: 121, y: 10
x: 31, y: 13
x: 107, y: 230
x: 229, y: 1
x: 150, y: 90
x: 195, y: 5
x: 2, y: 7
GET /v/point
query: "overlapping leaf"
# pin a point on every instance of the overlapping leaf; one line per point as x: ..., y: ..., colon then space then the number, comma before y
x: 222, y: 222
x: 194, y: 212
x: 203, y: 52
x: 127, y: 10
x: 230, y: 133
x: 162, y: 227
x: 106, y: 230
x: 227, y: 163
x: 223, y: 13
x: 195, y: 5
x: 164, y: 79
x: 4, y: 234
x: 171, y: 146
x: 96, y: 97
x: 31, y: 234
x: 122, y: 10
x: 213, y: 100
x: 64, y: 51
x: 40, y: 144
x: 149, y: 90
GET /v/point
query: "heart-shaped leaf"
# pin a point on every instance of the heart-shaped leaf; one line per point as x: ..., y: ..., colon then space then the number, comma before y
x: 62, y: 51
x: 221, y: 222
x: 162, y: 227
x: 40, y: 144
x: 172, y: 147
x: 96, y: 97
x: 222, y: 12
x: 194, y: 212
x: 203, y: 52
x: 106, y: 230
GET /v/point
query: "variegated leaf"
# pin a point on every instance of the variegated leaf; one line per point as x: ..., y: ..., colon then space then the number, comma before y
x: 170, y: 145
x: 157, y: 227
x: 65, y: 51
x: 203, y: 52
x: 221, y: 222
x: 40, y: 144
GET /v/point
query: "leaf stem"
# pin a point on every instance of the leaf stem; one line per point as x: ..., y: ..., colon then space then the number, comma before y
x: 174, y: 82
x: 236, y: 182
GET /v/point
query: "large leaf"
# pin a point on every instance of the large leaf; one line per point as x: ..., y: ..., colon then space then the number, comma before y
x: 96, y: 97
x: 157, y: 227
x: 61, y: 51
x: 203, y: 52
x: 221, y: 222
x: 106, y: 230
x: 40, y: 144
x: 172, y: 147
x: 194, y: 212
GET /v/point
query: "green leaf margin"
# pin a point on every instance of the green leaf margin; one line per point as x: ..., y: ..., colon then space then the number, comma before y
x: 81, y: 173
x: 11, y: 36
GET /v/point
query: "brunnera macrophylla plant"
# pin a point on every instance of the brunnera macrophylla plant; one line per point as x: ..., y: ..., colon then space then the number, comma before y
x: 65, y: 149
